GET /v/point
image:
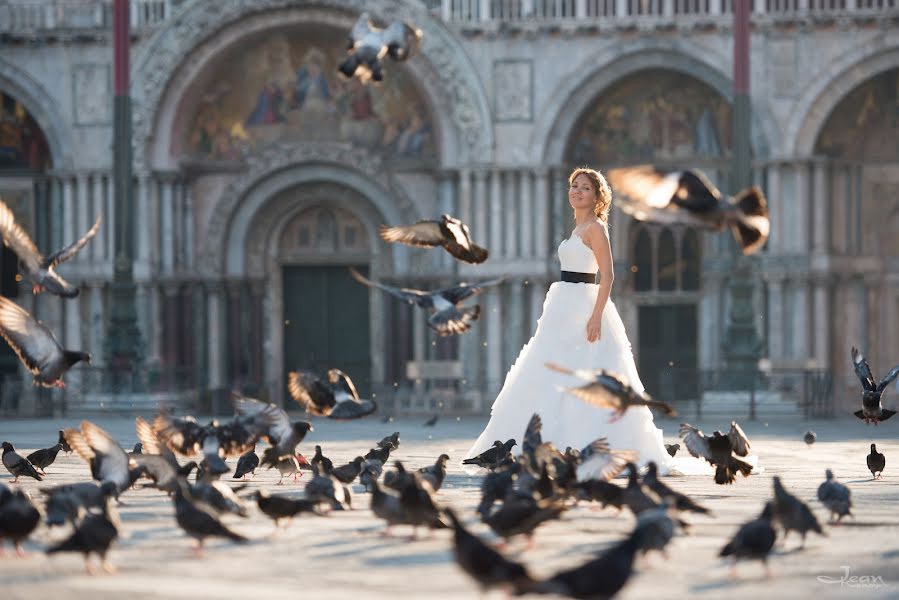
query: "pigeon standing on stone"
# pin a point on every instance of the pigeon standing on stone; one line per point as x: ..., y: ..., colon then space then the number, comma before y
x: 39, y: 269
x: 36, y: 346
x: 872, y: 410
x: 876, y: 462
x: 835, y: 497
x: 368, y: 45
x: 436, y: 473
x: 347, y: 473
x: 447, y: 315
x: 605, y: 389
x: 281, y: 508
x: 678, y: 500
x: 41, y: 459
x: 793, y: 514
x: 636, y: 496
x: 18, y: 518
x: 449, y: 232
x: 810, y: 437
x: 64, y: 443
x: 247, y: 463
x: 94, y: 534
x: 17, y: 464
x: 719, y: 449
x: 491, y: 456
x: 753, y: 541
x: 198, y: 519
x: 688, y: 197
x: 335, y: 398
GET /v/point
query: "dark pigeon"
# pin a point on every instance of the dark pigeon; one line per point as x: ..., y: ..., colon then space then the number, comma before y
x: 678, y: 500
x: 636, y: 496
x: 18, y: 518
x: 198, y: 519
x: 347, y: 473
x: 17, y: 464
x: 449, y: 232
x: 835, y: 497
x: 810, y: 437
x: 324, y: 463
x: 246, y: 464
x: 431, y: 422
x: 335, y: 398
x: 719, y: 449
x: 877, y: 462
x: 41, y: 459
x: 490, y: 457
x: 280, y: 508
x: 94, y: 535
x: 672, y: 449
x: 793, y: 514
x: 872, y: 409
x: 753, y: 541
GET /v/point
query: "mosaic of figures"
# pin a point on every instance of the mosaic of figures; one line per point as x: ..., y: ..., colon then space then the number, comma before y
x: 865, y: 124
x: 653, y: 115
x: 286, y: 86
x: 22, y: 143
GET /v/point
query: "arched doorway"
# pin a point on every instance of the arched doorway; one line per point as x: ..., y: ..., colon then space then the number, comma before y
x: 667, y: 118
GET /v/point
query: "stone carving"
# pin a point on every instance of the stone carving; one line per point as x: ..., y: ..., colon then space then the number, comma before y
x: 512, y: 94
x: 91, y: 87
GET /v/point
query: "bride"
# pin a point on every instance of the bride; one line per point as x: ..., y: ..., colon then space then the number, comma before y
x: 579, y: 329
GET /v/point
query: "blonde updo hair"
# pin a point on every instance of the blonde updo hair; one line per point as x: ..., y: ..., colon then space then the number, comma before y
x: 602, y: 189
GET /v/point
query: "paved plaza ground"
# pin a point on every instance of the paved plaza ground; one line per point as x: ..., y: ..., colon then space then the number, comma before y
x: 344, y: 555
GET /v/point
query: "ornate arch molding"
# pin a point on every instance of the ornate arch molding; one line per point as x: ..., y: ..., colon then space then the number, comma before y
x: 202, y: 29
x: 840, y: 78
x: 284, y: 166
x: 45, y: 111
x: 576, y: 95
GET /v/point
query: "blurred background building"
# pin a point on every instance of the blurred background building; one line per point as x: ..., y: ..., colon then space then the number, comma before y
x: 261, y: 175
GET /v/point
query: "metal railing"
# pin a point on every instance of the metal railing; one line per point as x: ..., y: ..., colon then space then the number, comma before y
x: 26, y: 16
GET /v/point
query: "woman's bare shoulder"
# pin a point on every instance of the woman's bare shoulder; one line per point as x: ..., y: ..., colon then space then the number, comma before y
x: 596, y: 229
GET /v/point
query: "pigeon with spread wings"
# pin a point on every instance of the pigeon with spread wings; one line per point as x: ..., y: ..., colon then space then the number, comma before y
x: 39, y: 269
x: 872, y: 410
x: 688, y: 197
x: 719, y: 449
x: 449, y: 232
x: 448, y: 316
x: 335, y: 398
x: 36, y: 346
x: 368, y: 45
x: 605, y: 389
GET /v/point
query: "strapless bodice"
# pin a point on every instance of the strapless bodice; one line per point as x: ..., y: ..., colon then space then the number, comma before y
x: 576, y: 256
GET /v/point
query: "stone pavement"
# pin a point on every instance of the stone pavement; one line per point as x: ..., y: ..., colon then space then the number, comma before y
x: 344, y: 555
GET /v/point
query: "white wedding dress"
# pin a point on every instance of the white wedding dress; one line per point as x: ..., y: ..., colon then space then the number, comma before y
x: 561, y: 337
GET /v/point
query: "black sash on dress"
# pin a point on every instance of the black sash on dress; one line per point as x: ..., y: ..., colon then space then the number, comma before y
x: 575, y: 277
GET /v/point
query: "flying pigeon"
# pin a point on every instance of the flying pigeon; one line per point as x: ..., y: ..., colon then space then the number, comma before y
x: 599, y: 461
x: 835, y: 497
x: 688, y: 197
x: 18, y: 518
x: 876, y: 462
x: 40, y: 270
x: 335, y: 398
x: 368, y: 45
x: 449, y: 232
x: 36, y: 346
x: 107, y: 460
x: 431, y: 422
x: 872, y: 410
x: 810, y: 437
x: 672, y: 449
x: 719, y: 449
x: 754, y: 540
x: 605, y: 389
x: 272, y: 422
x: 793, y: 514
x: 41, y: 459
x: 17, y: 464
x: 447, y: 315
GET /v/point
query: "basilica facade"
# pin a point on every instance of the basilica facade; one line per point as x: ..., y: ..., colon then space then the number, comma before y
x: 261, y: 175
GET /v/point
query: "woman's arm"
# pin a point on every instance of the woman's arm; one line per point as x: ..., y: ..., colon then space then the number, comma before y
x: 597, y: 238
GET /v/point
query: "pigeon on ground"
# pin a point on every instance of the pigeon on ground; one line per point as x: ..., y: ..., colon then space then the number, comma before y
x: 368, y: 45
x: 280, y: 508
x: 198, y: 519
x: 604, y: 492
x: 810, y: 437
x: 678, y: 500
x: 68, y: 502
x: 436, y: 473
x: 656, y: 527
x: 688, y: 197
x: 393, y: 439
x: 431, y: 422
x: 335, y: 398
x: 158, y: 462
x: 138, y: 449
x: 605, y: 389
x: 793, y: 514
x: 347, y: 473
x: 872, y: 410
x: 272, y: 423
x: 497, y: 485
x: 753, y: 541
x: 287, y: 465
x: 247, y: 463
x: 18, y: 518
x: 39, y: 269
x: 672, y: 449
x: 381, y: 453
x: 491, y: 456
x: 17, y: 464
x: 447, y: 315
x: 637, y: 496
x: 94, y: 534
x: 719, y: 449
x: 449, y: 232
x: 219, y: 496
x: 64, y: 443
x: 876, y: 462
x: 324, y: 463
x: 41, y: 459
x: 835, y: 497
x: 325, y: 489
x: 522, y: 516
x: 482, y: 563
x: 599, y: 461
x: 107, y: 460
x: 36, y: 346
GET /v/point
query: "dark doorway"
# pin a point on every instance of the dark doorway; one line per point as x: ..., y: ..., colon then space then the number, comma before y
x: 668, y: 350
x: 326, y: 322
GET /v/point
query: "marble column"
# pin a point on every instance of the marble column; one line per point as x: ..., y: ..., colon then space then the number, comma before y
x: 97, y: 247
x: 69, y: 217
x: 171, y: 325
x: 496, y: 214
x: 494, y: 347
x: 513, y: 321
x: 235, y: 333
x: 526, y: 209
x: 537, y: 291
x: 541, y: 215
x: 803, y: 205
x: 257, y: 295
x: 167, y: 240
x: 142, y: 233
x: 775, y: 318
x: 446, y: 205
x: 511, y: 216
x: 823, y: 323
x: 801, y: 314
x: 465, y: 212
x: 419, y: 353
x: 189, y: 247
x: 821, y: 209
x: 178, y: 223
x: 95, y: 321
x: 775, y: 209
x: 80, y: 223
x: 558, y: 206
x: 480, y: 207
x: 215, y: 335
x: 109, y: 218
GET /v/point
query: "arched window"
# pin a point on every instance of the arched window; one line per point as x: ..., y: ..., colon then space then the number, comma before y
x: 642, y: 265
x: 667, y: 261
x: 691, y: 260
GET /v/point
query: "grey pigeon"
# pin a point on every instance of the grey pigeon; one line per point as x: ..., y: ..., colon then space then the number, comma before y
x: 446, y: 316
x: 198, y: 520
x: 393, y: 439
x: 368, y: 45
x: 491, y: 456
x: 287, y: 465
x: 325, y: 489
x: 835, y: 497
x: 335, y: 398
x: 449, y: 232
x: 39, y: 269
x: 18, y: 518
x: 605, y: 389
x: 718, y: 450
x: 68, y: 502
x: 872, y: 410
x: 107, y: 460
x: 636, y: 496
x: 273, y: 423
x: 94, y: 535
x: 753, y: 541
x: 877, y: 462
x: 678, y: 500
x: 688, y: 197
x: 793, y: 514
x: 656, y: 527
x: 41, y: 459
x: 436, y: 473
x: 17, y: 464
x: 36, y: 346
x: 810, y: 437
